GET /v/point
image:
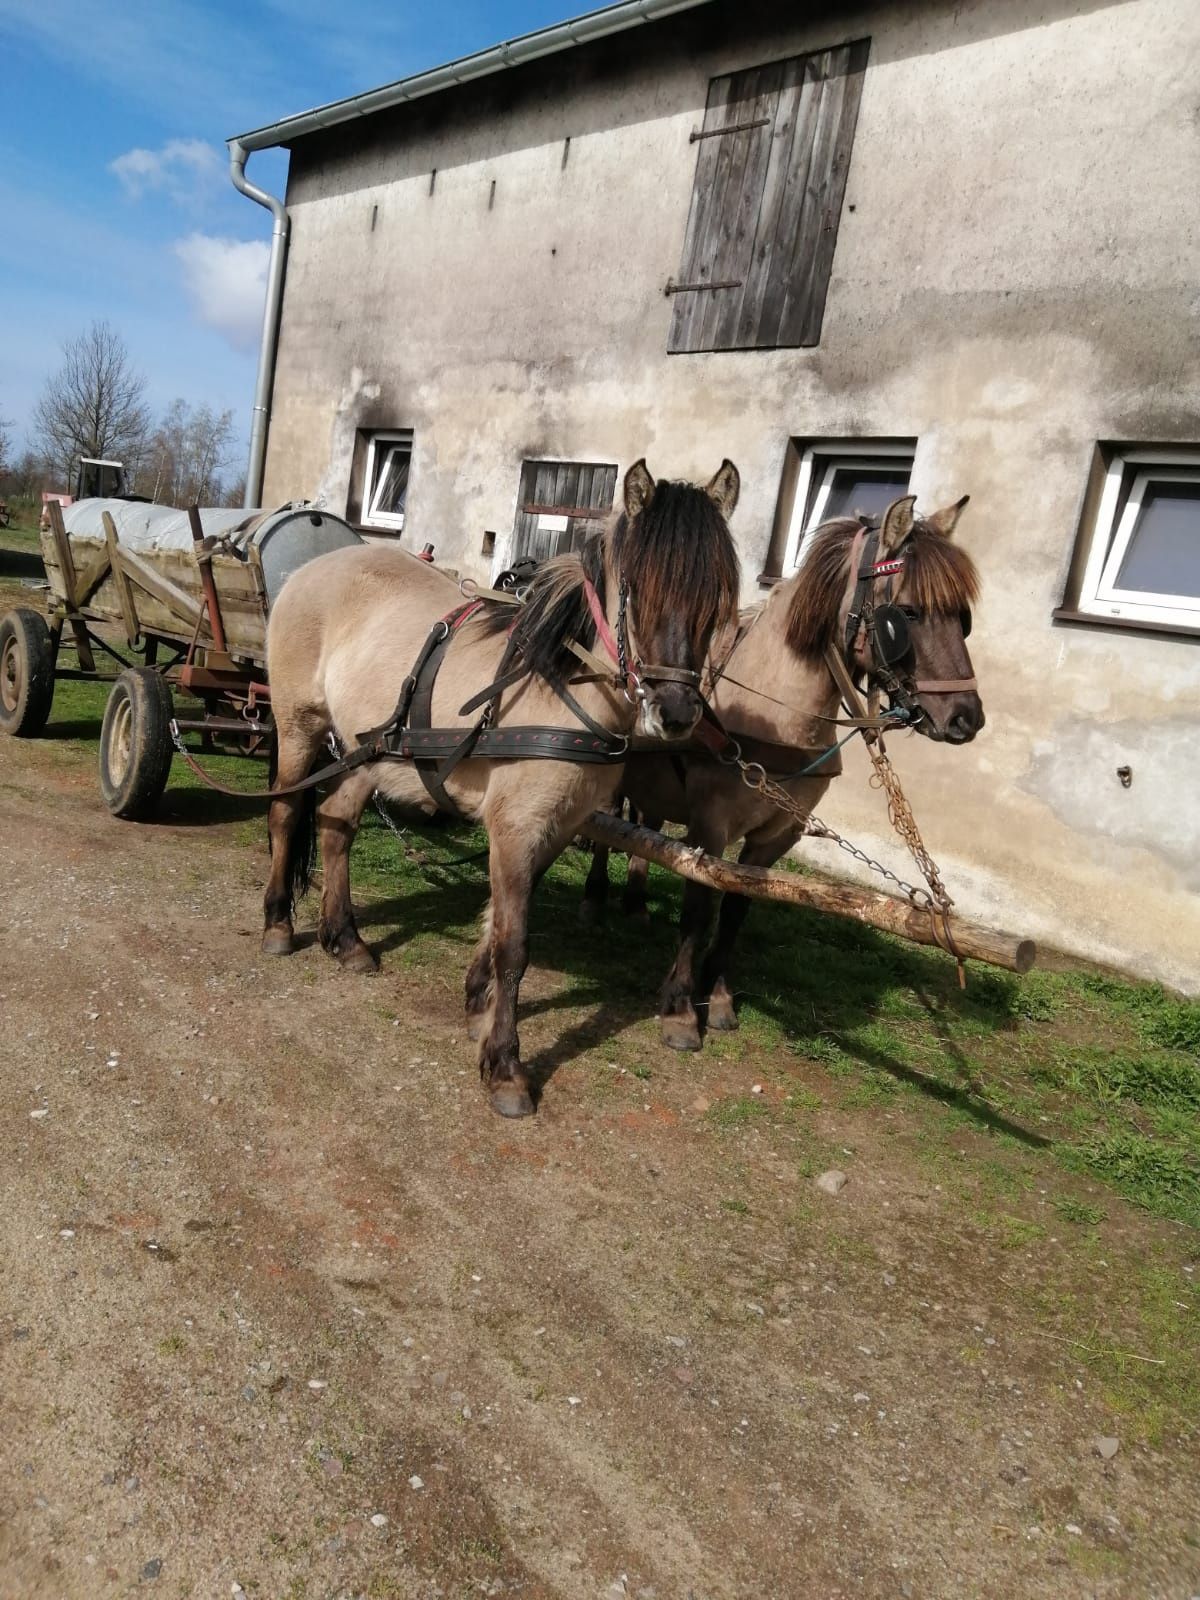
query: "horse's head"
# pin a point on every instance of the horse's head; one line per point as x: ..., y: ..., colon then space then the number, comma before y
x: 896, y: 603
x: 672, y: 564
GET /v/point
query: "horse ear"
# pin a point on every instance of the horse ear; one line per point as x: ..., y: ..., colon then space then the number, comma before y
x: 639, y: 488
x: 725, y: 487
x: 897, y: 524
x: 946, y: 520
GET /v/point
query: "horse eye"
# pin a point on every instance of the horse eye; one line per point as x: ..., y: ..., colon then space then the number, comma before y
x: 911, y: 613
x: 964, y: 618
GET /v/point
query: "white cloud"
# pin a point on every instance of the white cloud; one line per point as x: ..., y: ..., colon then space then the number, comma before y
x: 185, y: 169
x: 227, y: 282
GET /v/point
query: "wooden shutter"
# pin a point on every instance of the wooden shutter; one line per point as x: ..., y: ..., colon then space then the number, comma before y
x: 774, y: 153
x: 557, y: 488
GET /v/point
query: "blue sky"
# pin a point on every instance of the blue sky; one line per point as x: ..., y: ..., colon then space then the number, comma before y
x: 115, y: 199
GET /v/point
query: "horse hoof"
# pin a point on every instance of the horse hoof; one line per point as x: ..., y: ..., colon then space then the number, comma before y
x: 721, y: 1017
x: 637, y: 913
x: 360, y: 959
x: 278, y: 942
x: 511, y: 1099
x: 679, y: 1033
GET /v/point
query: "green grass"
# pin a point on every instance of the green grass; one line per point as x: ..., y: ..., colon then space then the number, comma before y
x: 1098, y: 1073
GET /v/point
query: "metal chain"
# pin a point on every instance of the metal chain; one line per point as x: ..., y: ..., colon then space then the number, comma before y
x: 900, y: 815
x: 337, y: 749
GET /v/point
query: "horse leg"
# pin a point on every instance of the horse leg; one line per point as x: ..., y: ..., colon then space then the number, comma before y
x: 734, y: 910
x: 633, y: 901
x: 595, y: 890
x: 290, y: 828
x: 338, y: 817
x: 679, y: 1026
x: 479, y: 982
x: 516, y: 867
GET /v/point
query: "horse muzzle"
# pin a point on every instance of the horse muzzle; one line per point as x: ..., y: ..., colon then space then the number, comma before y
x: 669, y: 711
x: 951, y: 718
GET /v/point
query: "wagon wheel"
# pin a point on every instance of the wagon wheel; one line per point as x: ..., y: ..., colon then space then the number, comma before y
x: 26, y: 673
x: 135, y: 744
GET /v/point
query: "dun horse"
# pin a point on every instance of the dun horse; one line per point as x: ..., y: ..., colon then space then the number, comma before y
x: 342, y: 644
x: 898, y: 611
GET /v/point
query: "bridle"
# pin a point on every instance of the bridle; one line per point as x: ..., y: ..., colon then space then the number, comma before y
x: 878, y: 638
x: 632, y: 675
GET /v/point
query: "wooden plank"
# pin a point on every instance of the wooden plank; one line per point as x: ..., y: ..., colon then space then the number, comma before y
x: 794, y: 118
x: 724, y: 309
x: 817, y: 238
x: 559, y: 511
x: 62, y: 549
x: 716, y: 260
x: 791, y: 201
x: 70, y: 584
x: 684, y: 311
x: 121, y: 584
x: 92, y: 576
x: 167, y: 593
x: 877, y: 910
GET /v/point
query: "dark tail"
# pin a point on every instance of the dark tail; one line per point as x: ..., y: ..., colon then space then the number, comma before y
x: 304, y: 847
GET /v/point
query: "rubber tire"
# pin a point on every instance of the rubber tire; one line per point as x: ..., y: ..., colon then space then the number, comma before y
x: 25, y: 636
x: 137, y: 718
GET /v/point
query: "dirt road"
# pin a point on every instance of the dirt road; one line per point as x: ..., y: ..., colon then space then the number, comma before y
x: 285, y: 1310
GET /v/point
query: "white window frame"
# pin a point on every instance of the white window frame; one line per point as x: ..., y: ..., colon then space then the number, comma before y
x: 1111, y: 536
x: 827, y: 460
x: 382, y: 444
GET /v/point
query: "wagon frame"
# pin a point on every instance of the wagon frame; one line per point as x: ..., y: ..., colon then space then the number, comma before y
x: 194, y: 623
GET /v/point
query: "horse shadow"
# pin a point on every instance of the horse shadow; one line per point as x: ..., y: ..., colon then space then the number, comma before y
x: 824, y: 988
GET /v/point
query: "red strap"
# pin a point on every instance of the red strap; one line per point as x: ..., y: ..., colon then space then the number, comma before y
x: 603, y: 632
x: 460, y: 614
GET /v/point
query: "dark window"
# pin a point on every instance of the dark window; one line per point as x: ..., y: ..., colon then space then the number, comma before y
x: 560, y: 504
x: 771, y: 168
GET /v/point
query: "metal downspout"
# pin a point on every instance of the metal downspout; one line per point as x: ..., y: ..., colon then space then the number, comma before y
x: 261, y: 415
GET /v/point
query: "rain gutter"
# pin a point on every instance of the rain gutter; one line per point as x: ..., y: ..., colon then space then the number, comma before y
x: 512, y: 53
x: 260, y: 417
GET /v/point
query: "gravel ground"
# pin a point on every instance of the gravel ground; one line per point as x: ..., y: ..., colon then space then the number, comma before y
x: 285, y: 1311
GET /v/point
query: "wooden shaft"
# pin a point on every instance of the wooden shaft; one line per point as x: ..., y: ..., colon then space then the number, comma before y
x: 204, y: 563
x: 840, y: 899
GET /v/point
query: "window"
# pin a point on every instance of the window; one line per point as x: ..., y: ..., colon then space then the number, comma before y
x: 774, y: 152
x: 839, y: 478
x: 559, y: 504
x: 386, y: 480
x: 1143, y: 561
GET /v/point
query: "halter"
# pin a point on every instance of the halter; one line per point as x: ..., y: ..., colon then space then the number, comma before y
x: 885, y: 628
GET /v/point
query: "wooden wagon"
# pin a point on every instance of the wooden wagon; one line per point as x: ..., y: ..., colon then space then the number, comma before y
x: 158, y: 602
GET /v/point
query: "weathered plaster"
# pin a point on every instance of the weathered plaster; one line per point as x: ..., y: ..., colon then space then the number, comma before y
x: 1014, y: 280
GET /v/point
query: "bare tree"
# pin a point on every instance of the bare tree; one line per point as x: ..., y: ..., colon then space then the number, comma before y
x: 26, y: 474
x: 186, y: 456
x: 5, y: 447
x: 93, y: 405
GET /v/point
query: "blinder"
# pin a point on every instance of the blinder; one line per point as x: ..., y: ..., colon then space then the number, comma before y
x: 893, y: 637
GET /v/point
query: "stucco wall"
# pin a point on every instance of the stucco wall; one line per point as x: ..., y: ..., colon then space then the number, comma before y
x: 1015, y: 278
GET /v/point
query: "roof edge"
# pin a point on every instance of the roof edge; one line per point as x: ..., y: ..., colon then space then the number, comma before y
x: 510, y: 53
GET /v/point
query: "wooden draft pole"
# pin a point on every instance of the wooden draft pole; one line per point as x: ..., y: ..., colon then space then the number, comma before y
x: 884, y: 911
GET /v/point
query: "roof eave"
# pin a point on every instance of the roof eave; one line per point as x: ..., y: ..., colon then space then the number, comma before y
x: 483, y: 63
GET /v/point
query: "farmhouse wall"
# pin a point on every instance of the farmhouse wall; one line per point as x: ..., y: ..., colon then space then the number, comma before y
x: 1015, y: 279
